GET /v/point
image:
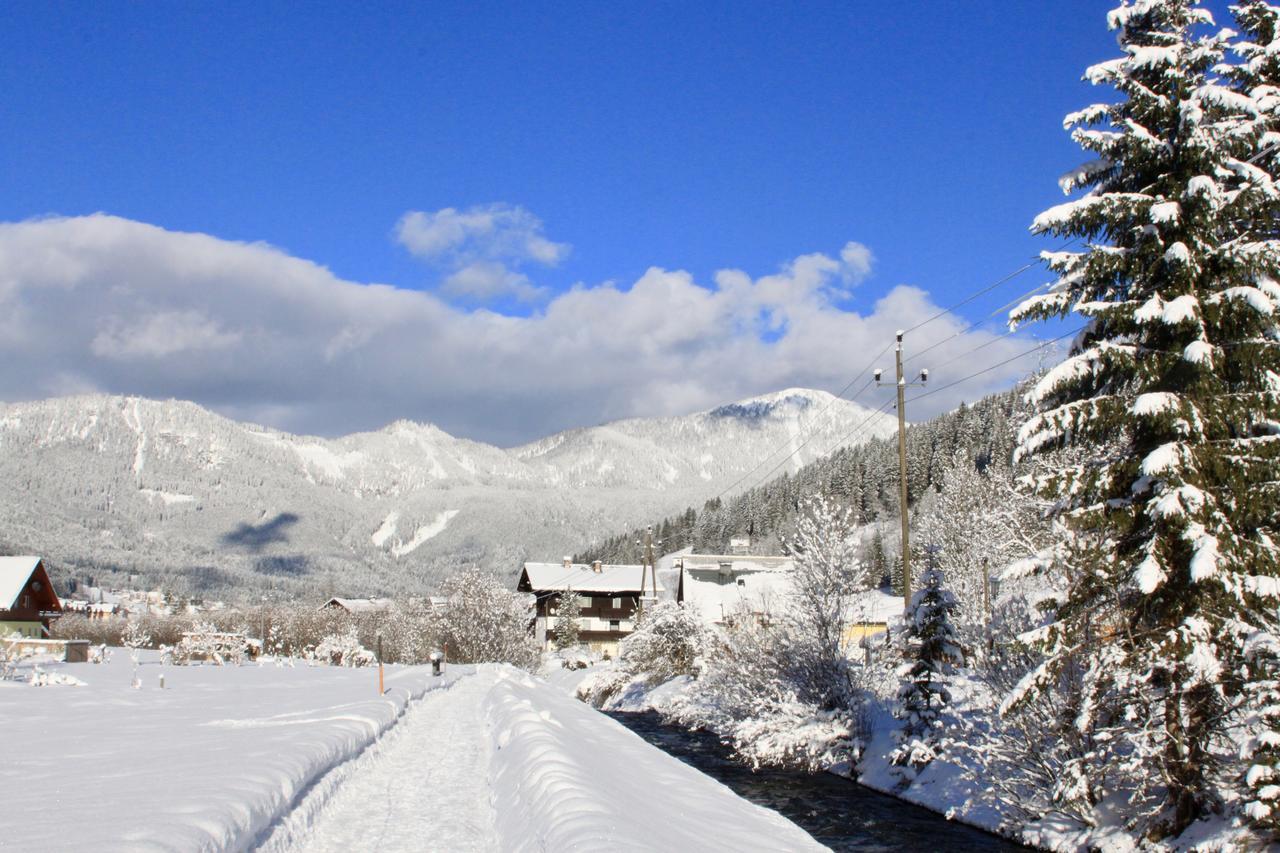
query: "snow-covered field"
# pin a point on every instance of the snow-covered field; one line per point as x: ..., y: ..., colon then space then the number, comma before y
x: 312, y: 758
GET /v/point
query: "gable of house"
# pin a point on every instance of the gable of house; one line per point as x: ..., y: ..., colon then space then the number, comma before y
x: 26, y: 597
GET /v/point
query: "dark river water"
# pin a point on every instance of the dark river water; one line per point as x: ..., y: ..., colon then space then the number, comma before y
x: 839, y: 813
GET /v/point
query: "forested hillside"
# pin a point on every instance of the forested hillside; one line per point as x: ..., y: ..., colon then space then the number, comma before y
x: 863, y: 478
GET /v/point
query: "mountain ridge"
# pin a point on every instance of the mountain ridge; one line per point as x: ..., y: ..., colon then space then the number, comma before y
x: 189, y: 498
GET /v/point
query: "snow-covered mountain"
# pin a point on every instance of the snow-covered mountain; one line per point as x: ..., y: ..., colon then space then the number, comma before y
x: 199, y: 502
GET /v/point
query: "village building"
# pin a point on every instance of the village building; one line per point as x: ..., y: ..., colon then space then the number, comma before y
x: 27, y: 600
x: 610, y: 596
x: 358, y: 605
x: 724, y: 587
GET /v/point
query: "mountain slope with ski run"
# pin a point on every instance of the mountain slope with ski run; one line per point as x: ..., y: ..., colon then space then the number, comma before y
x: 204, y: 504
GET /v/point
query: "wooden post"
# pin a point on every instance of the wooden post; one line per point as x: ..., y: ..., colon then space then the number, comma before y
x: 380, y: 688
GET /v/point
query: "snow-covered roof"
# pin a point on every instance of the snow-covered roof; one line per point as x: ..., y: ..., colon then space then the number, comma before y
x: 737, y: 562
x: 14, y: 574
x: 757, y: 592
x: 360, y: 605
x: 875, y: 606
x: 580, y: 577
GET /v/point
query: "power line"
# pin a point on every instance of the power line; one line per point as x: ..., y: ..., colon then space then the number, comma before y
x: 1005, y: 307
x: 997, y: 364
x: 990, y: 287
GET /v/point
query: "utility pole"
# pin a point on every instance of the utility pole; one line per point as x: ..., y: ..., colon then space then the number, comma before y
x: 646, y: 566
x: 902, y: 465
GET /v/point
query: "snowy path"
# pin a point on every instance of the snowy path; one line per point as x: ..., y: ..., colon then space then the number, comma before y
x: 423, y: 787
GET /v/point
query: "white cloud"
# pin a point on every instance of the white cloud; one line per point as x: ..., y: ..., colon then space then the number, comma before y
x: 855, y: 260
x: 161, y: 334
x: 104, y: 303
x: 482, y: 248
x: 481, y: 281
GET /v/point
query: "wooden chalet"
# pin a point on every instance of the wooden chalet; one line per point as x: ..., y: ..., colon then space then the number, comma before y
x: 27, y: 601
x: 610, y: 596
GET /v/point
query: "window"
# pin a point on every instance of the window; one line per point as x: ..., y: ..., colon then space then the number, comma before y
x: 615, y: 624
x: 26, y: 601
x: 617, y: 603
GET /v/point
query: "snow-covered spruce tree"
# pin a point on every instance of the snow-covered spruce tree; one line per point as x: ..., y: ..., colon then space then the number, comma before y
x: 827, y: 573
x: 932, y: 648
x: 1257, y: 76
x: 1261, y: 748
x: 565, y: 632
x: 1174, y: 383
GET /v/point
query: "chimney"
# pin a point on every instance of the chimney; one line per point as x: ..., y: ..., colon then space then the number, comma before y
x: 568, y: 562
x: 597, y: 567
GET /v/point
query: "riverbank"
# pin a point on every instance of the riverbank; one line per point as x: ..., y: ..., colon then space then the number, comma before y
x: 835, y: 810
x: 943, y: 787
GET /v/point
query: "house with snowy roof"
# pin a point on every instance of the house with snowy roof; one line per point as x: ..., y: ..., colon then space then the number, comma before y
x: 722, y: 587
x: 725, y: 587
x: 358, y: 605
x: 610, y: 597
x: 27, y: 600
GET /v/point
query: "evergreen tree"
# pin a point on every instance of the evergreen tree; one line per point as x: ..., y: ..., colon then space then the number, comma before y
x: 1261, y: 750
x: 1172, y: 388
x: 878, y: 560
x: 1257, y: 76
x: 567, y: 627
x: 932, y: 648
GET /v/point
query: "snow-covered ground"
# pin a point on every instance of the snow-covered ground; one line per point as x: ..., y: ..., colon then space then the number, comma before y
x: 207, y: 763
x: 312, y: 758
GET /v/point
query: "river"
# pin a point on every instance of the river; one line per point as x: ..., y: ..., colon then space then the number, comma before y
x: 836, y: 811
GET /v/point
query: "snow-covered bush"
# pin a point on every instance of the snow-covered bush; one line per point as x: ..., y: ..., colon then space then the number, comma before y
x: 9, y: 658
x: 75, y: 626
x: 605, y: 682
x: 747, y: 693
x: 668, y: 641
x: 135, y: 637
x: 205, y: 644
x: 826, y: 576
x: 786, y: 694
x: 343, y: 649
x: 784, y: 731
x: 484, y: 621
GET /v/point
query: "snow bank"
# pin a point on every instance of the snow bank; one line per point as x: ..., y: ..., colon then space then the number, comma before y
x: 207, y: 763
x: 566, y: 777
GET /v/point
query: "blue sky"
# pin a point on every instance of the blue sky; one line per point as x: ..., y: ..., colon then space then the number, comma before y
x: 687, y: 137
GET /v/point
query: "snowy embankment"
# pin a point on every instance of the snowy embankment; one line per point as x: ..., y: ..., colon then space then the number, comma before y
x: 569, y: 778
x: 207, y: 763
x: 311, y: 758
x: 942, y: 786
